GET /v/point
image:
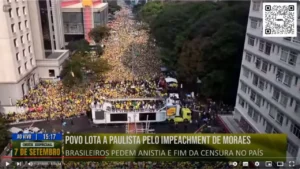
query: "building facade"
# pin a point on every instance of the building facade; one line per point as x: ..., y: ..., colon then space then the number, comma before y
x: 22, y: 48
x: 268, y: 97
x: 18, y: 67
x: 52, y: 25
x: 80, y: 16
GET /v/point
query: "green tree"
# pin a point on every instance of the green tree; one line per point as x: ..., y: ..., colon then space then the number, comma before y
x: 4, y: 136
x: 150, y: 11
x: 79, y: 46
x: 82, y: 68
x: 99, y: 33
x: 113, y: 7
x: 201, y: 40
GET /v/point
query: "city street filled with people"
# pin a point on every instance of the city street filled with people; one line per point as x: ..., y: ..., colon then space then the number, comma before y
x: 51, y: 101
x: 135, y: 74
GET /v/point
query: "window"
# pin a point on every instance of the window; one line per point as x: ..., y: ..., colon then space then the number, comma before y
x: 24, y: 53
x: 253, y: 95
x: 26, y: 24
x: 255, y: 80
x: 25, y: 64
x: 292, y: 148
x: 244, y: 87
x: 297, y: 38
x: 18, y: 56
x: 18, y: 11
x: 241, y: 102
x: 15, y: 43
x: 51, y: 73
x: 23, y: 89
x: 31, y: 61
x: 22, y: 39
x: 291, y: 102
x: 296, y: 80
x: 258, y: 63
x: 255, y: 116
x: 258, y: 100
x: 28, y: 38
x: 293, y: 58
x: 268, y: 48
x: 20, y: 26
x: 297, y: 107
x: 283, y: 99
x: 24, y: 10
x: 279, y: 118
x: 29, y: 49
x: 246, y: 72
x: 273, y: 111
x: 264, y: 67
x: 261, y: 84
x: 10, y: 13
x: 13, y: 28
x: 251, y: 40
x: 287, y: 79
x: 269, y: 128
x: 261, y: 45
x: 254, y: 23
x: 250, y: 111
x: 248, y: 57
x: 256, y: 6
x: 279, y: 75
x: 276, y: 94
x: 19, y: 70
x: 289, y: 56
x: 295, y: 129
x: 275, y: 131
x: 284, y: 54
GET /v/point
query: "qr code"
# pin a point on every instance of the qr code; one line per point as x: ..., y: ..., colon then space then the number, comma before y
x: 279, y: 19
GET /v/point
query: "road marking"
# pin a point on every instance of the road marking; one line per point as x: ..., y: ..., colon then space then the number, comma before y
x: 31, y: 124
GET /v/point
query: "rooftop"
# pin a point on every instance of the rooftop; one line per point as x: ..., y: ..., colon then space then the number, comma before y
x: 97, y: 5
x: 53, y: 54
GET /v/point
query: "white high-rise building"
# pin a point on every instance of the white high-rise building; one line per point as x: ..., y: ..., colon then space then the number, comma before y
x: 23, y: 60
x: 268, y: 97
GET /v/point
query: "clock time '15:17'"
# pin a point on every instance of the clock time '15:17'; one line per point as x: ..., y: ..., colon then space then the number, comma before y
x: 49, y: 136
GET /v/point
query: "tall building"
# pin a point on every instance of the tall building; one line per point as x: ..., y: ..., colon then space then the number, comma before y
x: 52, y: 25
x: 80, y: 16
x: 268, y: 97
x: 23, y: 61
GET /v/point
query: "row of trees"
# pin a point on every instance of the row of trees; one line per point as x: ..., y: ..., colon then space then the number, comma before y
x: 200, y: 40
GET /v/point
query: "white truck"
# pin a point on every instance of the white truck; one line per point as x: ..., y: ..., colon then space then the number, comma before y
x: 170, y: 111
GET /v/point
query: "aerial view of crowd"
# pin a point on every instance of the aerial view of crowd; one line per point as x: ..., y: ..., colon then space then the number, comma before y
x: 50, y: 100
x: 129, y: 50
x: 125, y: 89
x: 137, y: 105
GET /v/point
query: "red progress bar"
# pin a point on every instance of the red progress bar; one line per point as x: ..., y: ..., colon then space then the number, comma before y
x: 66, y: 157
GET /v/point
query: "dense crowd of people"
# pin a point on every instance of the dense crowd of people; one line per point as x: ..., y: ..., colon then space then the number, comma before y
x: 129, y: 49
x: 49, y: 100
x: 136, y: 105
x: 125, y: 89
